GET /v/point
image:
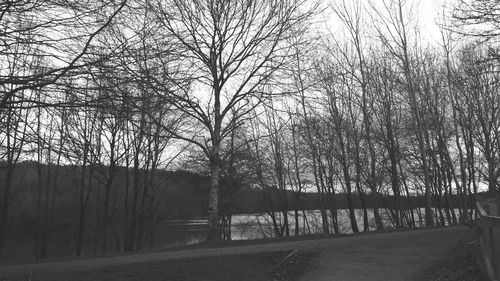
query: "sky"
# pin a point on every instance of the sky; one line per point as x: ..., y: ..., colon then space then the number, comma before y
x: 425, y: 13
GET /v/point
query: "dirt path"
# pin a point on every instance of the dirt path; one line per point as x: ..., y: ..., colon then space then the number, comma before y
x: 382, y: 256
x: 401, y: 256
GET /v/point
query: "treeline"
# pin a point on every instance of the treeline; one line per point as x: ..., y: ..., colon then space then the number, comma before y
x: 250, y: 95
x: 48, y: 217
x: 44, y: 219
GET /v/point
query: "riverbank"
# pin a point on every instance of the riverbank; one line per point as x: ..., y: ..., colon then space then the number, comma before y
x: 401, y: 255
x: 254, y: 267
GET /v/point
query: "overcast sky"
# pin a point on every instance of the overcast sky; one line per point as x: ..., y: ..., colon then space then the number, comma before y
x: 425, y: 13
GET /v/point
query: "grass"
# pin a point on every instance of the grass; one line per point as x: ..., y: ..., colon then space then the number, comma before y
x: 460, y: 264
x: 242, y: 267
x: 292, y: 238
x: 221, y: 244
x: 258, y: 267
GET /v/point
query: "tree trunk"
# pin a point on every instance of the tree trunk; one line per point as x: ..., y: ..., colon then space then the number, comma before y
x: 213, y: 197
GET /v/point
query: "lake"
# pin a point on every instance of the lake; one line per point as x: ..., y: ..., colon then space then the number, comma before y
x: 259, y: 225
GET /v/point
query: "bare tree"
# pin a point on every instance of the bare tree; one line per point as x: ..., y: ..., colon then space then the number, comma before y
x: 339, y: 122
x: 47, y: 29
x: 477, y: 18
x: 233, y: 49
x: 480, y: 77
x: 392, y: 24
x: 14, y: 129
x: 270, y: 154
x: 352, y: 17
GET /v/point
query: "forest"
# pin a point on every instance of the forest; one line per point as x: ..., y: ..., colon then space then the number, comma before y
x: 118, y: 115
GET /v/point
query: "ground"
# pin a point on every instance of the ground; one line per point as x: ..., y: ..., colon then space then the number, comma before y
x: 460, y: 264
x: 224, y: 268
x: 403, y: 255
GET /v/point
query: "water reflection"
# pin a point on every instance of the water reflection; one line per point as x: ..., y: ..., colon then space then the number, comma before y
x: 260, y: 225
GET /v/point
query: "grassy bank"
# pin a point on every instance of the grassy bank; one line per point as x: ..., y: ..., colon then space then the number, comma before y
x: 460, y: 264
x: 256, y: 267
